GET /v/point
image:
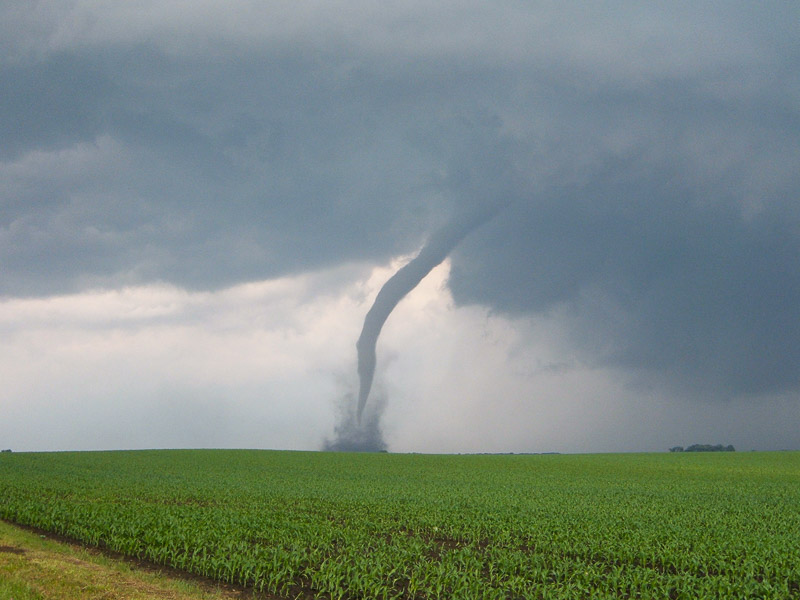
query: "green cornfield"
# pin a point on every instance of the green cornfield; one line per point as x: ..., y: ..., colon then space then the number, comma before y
x: 346, y: 526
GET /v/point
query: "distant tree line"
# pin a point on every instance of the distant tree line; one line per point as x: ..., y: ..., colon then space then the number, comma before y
x: 703, y: 448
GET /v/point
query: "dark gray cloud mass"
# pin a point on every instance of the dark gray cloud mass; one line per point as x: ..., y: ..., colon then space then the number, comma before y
x: 651, y: 158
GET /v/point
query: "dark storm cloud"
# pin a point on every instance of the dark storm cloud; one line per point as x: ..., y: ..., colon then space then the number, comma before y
x: 697, y: 292
x: 255, y: 167
x: 50, y: 103
x: 650, y: 157
x: 674, y: 248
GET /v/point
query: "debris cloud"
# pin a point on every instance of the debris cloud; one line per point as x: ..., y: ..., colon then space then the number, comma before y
x: 357, y: 435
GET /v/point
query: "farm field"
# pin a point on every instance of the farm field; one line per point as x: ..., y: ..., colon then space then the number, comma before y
x: 34, y: 566
x: 336, y: 525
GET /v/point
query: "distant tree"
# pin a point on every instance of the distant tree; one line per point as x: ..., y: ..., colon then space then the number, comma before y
x: 676, y: 449
x: 710, y: 448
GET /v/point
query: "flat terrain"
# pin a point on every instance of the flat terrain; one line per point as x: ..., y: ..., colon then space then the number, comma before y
x: 34, y: 566
x: 324, y: 525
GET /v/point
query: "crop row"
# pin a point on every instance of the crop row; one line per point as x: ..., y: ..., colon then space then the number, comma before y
x: 395, y: 526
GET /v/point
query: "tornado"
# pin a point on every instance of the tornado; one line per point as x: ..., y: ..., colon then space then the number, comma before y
x: 435, y: 250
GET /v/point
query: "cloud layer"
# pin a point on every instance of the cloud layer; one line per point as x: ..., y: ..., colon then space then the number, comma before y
x: 648, y: 159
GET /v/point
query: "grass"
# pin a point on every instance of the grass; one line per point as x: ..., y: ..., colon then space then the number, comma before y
x: 35, y: 567
x: 326, y: 525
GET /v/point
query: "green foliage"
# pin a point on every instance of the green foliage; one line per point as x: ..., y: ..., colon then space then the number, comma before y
x: 419, y: 526
x: 11, y: 590
x: 709, y: 448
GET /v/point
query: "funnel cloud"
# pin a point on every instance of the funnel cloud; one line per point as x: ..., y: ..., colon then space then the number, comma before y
x: 435, y: 250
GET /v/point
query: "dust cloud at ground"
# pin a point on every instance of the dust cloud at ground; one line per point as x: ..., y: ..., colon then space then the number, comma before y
x: 350, y: 435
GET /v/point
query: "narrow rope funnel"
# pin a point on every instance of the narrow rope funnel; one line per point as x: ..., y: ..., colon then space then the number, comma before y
x: 435, y: 250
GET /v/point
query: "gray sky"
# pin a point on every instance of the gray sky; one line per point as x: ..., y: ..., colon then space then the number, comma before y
x: 199, y: 201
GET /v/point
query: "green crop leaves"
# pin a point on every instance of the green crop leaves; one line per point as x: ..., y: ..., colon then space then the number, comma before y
x: 408, y: 527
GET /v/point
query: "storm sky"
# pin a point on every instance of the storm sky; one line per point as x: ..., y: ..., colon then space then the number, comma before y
x: 200, y: 200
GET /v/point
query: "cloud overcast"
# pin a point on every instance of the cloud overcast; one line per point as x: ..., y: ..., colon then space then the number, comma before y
x: 650, y: 158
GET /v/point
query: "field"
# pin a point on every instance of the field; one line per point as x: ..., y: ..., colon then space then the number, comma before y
x: 34, y: 566
x: 327, y: 525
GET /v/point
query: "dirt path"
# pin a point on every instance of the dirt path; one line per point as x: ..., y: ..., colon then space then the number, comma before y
x: 33, y: 567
